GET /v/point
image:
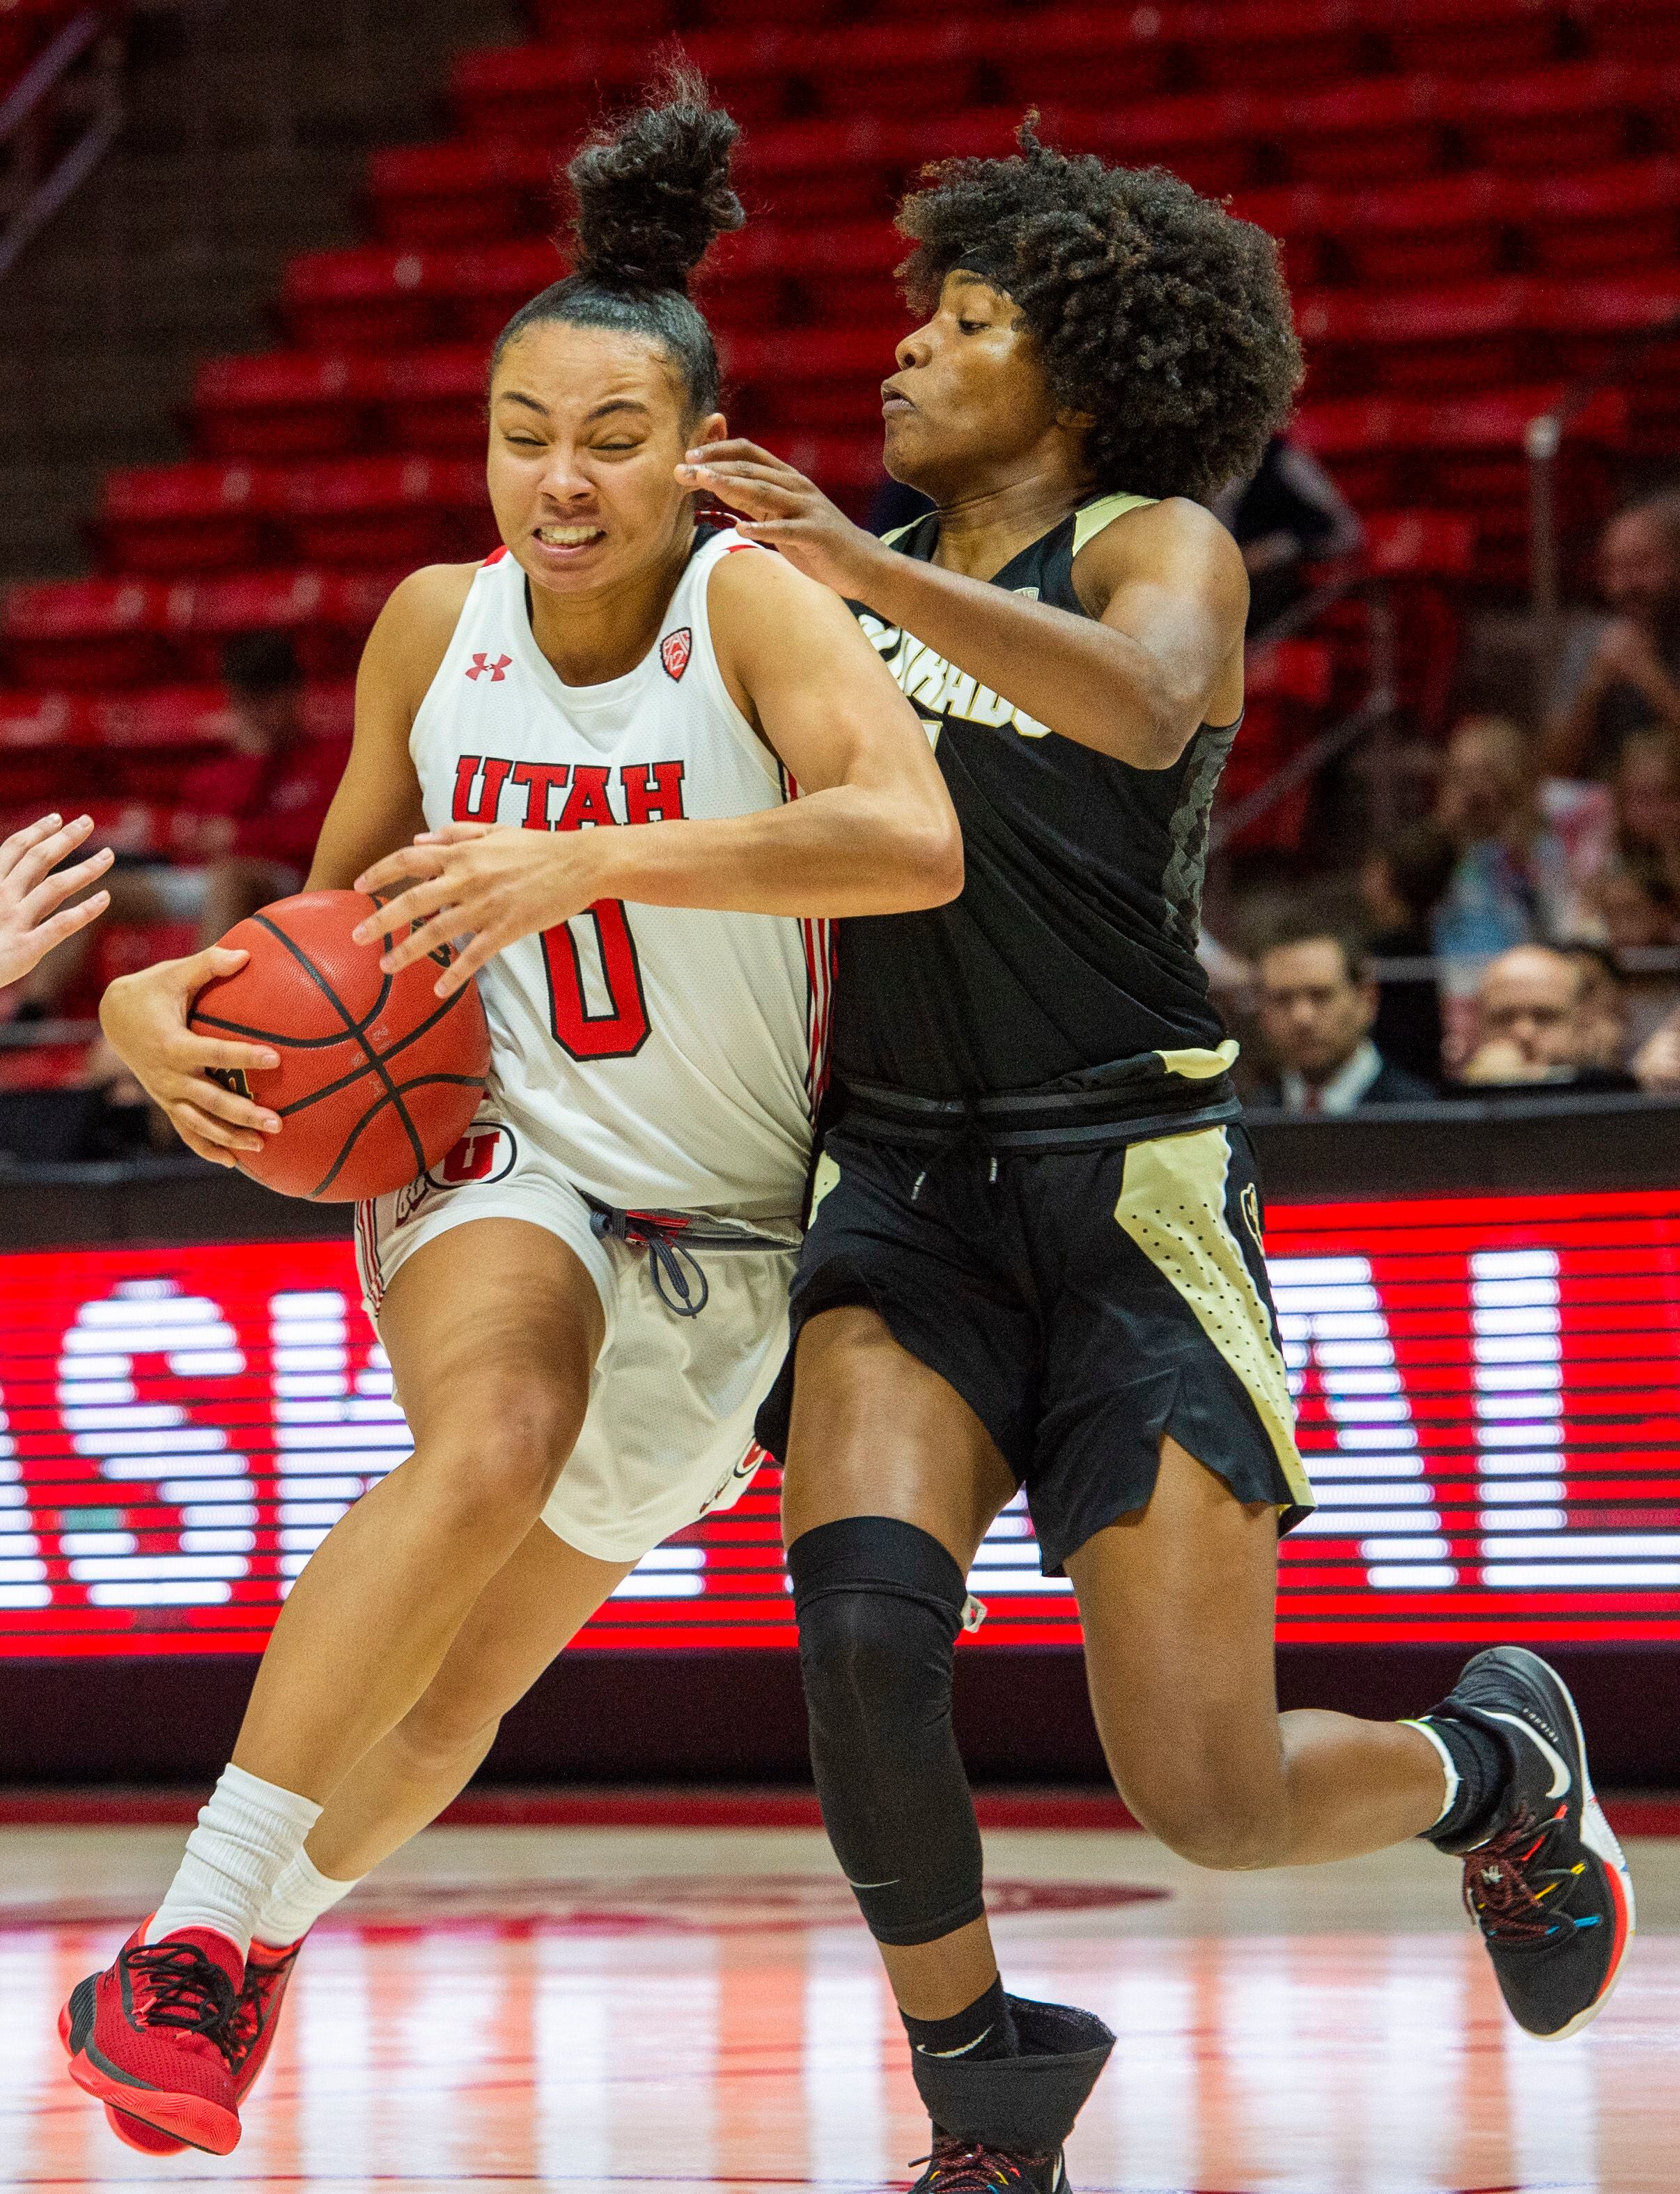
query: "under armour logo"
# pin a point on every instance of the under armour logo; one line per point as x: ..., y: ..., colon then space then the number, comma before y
x: 497, y: 669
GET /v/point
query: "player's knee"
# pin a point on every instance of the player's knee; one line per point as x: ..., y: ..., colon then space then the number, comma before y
x: 445, y: 1728
x: 1208, y: 1815
x: 499, y: 1458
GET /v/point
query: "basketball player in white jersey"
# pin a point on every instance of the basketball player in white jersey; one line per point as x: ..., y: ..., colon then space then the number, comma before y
x: 590, y: 737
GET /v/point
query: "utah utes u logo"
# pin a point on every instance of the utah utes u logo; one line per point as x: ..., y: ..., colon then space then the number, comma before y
x: 674, y: 649
x: 487, y: 1152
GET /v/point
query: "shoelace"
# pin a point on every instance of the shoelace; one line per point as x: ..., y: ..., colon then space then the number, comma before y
x: 246, y: 2027
x: 184, y: 1989
x: 1500, y: 1894
x: 967, y: 2167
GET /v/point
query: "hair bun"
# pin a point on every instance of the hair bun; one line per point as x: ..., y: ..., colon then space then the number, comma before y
x: 652, y: 192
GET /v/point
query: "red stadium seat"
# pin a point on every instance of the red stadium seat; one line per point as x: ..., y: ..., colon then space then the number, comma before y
x: 554, y: 19
x: 285, y: 403
x: 327, y: 613
x: 1208, y: 137
x: 433, y: 400
x: 1432, y: 544
x: 1082, y: 53
x: 1445, y: 228
x: 371, y: 297
x: 811, y: 380
x: 471, y: 190
x: 1633, y: 29
x: 373, y: 511
x: 199, y: 517
x: 1621, y: 216
x: 1268, y: 45
x: 1385, y: 131
x: 549, y: 93
x: 1288, y: 670
x: 85, y: 632
x: 885, y: 68
x: 1467, y: 37
x: 1573, y: 116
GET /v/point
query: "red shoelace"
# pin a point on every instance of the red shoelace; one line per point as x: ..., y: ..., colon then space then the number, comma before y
x: 1498, y: 1894
x: 968, y: 2167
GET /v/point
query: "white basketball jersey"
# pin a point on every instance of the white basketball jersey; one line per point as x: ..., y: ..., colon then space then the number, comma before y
x: 666, y: 1059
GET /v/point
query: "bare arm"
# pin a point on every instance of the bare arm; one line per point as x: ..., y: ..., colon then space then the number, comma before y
x: 872, y: 831
x: 145, y: 1016
x: 1165, y: 587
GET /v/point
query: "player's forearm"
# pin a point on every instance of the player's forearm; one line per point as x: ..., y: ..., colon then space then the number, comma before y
x: 851, y: 850
x: 1085, y: 680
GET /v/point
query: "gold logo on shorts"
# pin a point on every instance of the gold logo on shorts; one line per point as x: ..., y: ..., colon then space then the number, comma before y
x: 1250, y: 1201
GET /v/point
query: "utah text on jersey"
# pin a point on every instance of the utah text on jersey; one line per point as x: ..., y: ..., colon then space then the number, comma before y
x: 942, y: 687
x: 648, y: 792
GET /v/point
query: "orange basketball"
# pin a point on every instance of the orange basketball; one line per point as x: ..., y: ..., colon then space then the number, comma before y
x: 378, y: 1077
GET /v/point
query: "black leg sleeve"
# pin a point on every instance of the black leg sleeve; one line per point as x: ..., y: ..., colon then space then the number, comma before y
x: 880, y: 1605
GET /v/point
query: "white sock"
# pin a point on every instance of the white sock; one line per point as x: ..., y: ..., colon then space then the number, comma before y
x: 245, y: 1836
x: 1424, y: 1729
x: 297, y: 1901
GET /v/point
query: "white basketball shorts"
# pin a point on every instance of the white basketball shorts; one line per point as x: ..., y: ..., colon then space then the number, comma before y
x: 668, y: 1436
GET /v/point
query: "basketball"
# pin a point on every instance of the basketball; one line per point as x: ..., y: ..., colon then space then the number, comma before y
x: 378, y: 1077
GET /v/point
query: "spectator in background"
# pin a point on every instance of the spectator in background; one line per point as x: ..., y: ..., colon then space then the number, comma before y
x: 1656, y: 1064
x: 1317, y: 1006
x: 248, y: 820
x: 1648, y: 809
x: 1401, y: 884
x: 1511, y: 883
x: 33, y: 916
x: 1291, y: 513
x: 1601, y: 1007
x: 1537, y: 1025
x: 1632, y: 678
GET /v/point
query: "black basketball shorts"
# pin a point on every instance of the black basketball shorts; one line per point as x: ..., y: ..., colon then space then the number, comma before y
x: 1083, y: 1303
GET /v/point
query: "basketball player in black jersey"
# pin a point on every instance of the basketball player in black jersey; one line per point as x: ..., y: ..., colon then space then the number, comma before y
x: 1034, y: 1254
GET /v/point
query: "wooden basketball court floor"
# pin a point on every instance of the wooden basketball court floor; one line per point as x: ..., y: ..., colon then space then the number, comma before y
x: 672, y: 2011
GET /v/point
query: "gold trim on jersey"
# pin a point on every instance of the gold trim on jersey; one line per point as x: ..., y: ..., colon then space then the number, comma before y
x: 1089, y: 522
x: 1199, y: 1066
x: 1172, y: 1206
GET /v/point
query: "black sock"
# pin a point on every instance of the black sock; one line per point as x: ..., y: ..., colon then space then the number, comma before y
x: 985, y: 2028
x: 1484, y: 1764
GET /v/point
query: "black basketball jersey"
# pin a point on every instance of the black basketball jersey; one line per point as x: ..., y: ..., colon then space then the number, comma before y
x: 1072, y: 946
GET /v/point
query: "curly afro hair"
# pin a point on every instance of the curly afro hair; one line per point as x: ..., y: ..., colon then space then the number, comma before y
x: 1159, y: 316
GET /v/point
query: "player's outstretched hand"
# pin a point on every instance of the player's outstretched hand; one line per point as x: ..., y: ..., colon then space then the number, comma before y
x: 785, y: 511
x: 145, y: 1019
x: 487, y: 882
x: 33, y: 916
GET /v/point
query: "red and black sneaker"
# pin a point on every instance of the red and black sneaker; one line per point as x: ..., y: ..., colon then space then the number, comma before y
x: 151, y: 2033
x: 1549, y: 1887
x: 960, y: 2166
x: 255, y: 2017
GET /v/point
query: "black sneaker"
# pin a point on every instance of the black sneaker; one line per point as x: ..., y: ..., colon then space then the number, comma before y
x: 1549, y: 1887
x: 957, y: 2166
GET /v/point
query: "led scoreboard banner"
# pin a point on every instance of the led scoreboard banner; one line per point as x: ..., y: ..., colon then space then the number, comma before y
x: 1488, y: 1389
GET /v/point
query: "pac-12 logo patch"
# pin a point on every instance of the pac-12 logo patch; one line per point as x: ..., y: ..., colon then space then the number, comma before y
x: 674, y: 649
x: 487, y: 1152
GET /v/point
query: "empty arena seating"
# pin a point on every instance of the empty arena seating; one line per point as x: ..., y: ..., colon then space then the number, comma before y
x: 1478, y: 200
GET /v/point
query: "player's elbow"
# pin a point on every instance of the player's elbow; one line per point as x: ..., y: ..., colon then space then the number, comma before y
x: 931, y: 861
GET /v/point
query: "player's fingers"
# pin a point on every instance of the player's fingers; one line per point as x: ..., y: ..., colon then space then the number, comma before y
x: 401, y: 868
x: 53, y: 891
x: 741, y: 490
x: 453, y: 834
x: 209, y: 1138
x: 226, y: 1106
x: 413, y: 905
x: 193, y: 1054
x: 13, y: 849
x: 45, y: 935
x: 35, y: 861
x: 468, y: 960
x: 739, y: 450
x: 192, y: 974
x: 427, y: 937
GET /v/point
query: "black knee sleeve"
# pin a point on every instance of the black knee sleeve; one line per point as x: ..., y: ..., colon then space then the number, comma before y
x: 879, y: 1604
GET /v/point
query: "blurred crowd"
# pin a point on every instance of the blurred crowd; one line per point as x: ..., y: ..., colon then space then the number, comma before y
x: 1525, y: 934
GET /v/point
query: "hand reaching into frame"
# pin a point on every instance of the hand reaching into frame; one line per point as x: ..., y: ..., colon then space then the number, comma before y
x: 33, y: 917
x: 489, y: 883
x: 784, y: 511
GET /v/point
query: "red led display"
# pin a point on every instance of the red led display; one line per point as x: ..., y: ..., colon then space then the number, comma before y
x: 1489, y: 1396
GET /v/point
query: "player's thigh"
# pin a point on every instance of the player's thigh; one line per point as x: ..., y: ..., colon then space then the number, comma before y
x: 875, y: 1432
x: 1178, y: 1604
x: 529, y: 1611
x: 493, y: 1329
